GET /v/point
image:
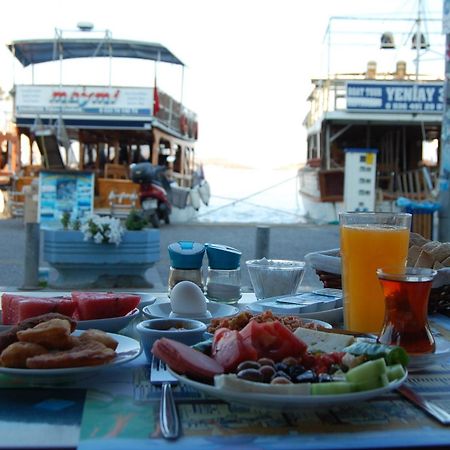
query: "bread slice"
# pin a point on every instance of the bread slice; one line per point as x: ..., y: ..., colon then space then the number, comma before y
x: 441, y: 252
x: 446, y: 262
x: 417, y: 239
x: 413, y: 255
x: 425, y: 260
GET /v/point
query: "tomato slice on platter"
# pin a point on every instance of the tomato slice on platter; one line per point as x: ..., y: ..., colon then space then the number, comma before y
x: 229, y: 349
x: 272, y: 340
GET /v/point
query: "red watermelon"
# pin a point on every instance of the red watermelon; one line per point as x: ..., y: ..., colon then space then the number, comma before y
x: 16, y: 308
x: 103, y: 305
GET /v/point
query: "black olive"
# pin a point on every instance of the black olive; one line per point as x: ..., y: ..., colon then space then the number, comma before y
x: 247, y: 365
x: 250, y: 375
x: 266, y: 362
x: 290, y: 361
x: 306, y: 377
x: 267, y: 372
x: 280, y: 373
x: 281, y: 366
x: 324, y: 378
x: 295, y: 371
x: 280, y: 380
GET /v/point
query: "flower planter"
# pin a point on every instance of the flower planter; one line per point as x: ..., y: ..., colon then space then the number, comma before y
x: 85, y: 264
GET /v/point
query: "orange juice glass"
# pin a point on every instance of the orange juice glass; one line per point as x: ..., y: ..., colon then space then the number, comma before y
x: 369, y: 241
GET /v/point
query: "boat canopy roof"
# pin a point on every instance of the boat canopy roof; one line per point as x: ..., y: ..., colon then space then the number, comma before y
x: 36, y: 51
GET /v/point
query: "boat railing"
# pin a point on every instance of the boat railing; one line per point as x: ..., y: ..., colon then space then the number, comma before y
x: 329, y: 95
x: 177, y: 117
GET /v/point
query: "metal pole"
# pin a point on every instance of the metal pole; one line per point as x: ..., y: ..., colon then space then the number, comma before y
x: 444, y: 175
x: 262, y: 242
x: 31, y: 268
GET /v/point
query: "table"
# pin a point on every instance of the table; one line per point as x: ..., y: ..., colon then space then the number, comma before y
x: 118, y: 409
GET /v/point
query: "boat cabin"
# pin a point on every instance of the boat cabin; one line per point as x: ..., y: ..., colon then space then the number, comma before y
x: 104, y: 128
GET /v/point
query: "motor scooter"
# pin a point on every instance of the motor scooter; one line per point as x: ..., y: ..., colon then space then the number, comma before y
x: 154, y: 192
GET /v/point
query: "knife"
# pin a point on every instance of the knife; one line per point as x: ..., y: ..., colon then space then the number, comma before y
x: 427, y: 406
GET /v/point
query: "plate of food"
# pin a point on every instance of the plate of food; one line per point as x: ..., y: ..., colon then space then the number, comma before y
x: 289, y: 400
x: 49, y: 346
x: 307, y: 369
x: 107, y: 311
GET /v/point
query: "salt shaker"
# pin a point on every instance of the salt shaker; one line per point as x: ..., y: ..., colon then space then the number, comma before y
x: 186, y: 259
x: 223, y: 282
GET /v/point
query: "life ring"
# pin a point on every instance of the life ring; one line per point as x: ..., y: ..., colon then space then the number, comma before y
x: 183, y: 124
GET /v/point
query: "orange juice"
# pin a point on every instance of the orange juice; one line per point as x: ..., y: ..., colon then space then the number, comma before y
x: 365, y: 248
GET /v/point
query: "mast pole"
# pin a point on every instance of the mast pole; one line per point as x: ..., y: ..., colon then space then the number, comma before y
x: 444, y: 173
x: 182, y: 85
x: 418, y: 42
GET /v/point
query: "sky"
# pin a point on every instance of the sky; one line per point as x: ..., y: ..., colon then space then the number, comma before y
x: 248, y: 62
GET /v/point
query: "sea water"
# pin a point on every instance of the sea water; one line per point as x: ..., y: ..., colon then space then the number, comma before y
x: 252, y: 195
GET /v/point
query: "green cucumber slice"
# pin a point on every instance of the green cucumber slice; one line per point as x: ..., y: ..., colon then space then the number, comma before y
x: 373, y: 383
x: 395, y: 372
x: 364, y: 372
x: 332, y: 388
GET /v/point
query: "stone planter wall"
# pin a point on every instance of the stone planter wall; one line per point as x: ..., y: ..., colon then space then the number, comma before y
x: 84, y: 264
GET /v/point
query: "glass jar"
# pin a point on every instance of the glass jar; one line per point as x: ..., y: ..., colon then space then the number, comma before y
x: 223, y: 285
x: 177, y: 275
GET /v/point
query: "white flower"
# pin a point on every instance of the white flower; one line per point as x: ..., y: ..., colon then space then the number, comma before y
x: 105, y: 229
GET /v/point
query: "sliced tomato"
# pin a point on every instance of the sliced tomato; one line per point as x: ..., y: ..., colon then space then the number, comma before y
x: 272, y: 340
x: 229, y: 349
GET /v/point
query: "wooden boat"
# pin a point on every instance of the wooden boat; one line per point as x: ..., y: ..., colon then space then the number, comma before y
x: 104, y: 129
x: 395, y: 113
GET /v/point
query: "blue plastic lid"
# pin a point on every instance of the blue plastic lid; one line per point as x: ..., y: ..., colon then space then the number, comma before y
x: 222, y: 257
x: 186, y: 254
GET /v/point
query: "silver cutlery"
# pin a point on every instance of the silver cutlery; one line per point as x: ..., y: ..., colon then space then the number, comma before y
x: 168, y: 414
x: 430, y: 408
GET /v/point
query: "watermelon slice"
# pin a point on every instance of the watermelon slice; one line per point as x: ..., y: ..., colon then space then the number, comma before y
x: 103, y: 305
x: 16, y: 308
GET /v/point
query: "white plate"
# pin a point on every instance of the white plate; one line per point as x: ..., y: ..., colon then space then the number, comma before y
x: 332, y: 315
x: 216, y: 309
x: 111, y: 325
x: 127, y: 350
x: 438, y: 357
x: 284, y: 402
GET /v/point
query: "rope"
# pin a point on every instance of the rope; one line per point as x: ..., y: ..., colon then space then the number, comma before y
x: 235, y: 201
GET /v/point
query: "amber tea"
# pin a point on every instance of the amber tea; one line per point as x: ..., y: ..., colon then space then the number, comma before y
x: 406, y: 309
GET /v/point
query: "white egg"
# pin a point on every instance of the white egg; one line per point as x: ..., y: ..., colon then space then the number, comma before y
x: 188, y: 300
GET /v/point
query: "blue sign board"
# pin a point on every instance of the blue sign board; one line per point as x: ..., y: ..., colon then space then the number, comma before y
x: 395, y: 97
x: 64, y: 191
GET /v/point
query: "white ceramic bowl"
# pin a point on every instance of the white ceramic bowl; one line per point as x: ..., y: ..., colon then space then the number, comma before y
x: 274, y: 277
x: 187, y: 331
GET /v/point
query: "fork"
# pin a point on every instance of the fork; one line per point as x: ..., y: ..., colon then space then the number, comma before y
x: 168, y: 415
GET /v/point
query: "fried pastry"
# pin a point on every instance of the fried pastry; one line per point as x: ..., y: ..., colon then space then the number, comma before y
x: 99, y: 336
x: 53, y: 334
x: 86, y: 354
x: 9, y: 336
x: 16, y: 354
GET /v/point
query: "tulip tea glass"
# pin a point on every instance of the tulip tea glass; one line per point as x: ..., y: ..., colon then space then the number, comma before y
x: 406, y: 297
x: 369, y: 241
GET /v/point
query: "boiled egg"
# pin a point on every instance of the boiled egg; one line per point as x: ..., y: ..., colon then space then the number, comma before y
x: 188, y: 300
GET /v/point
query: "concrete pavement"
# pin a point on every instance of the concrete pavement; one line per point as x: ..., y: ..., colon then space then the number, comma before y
x: 291, y: 241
